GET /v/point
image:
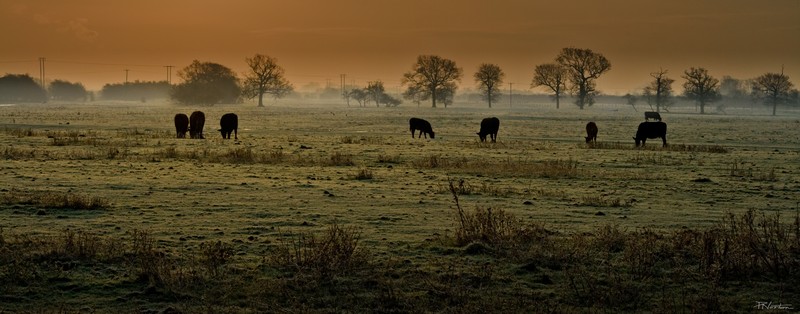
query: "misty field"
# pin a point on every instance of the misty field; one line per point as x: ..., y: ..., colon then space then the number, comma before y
x: 334, y: 208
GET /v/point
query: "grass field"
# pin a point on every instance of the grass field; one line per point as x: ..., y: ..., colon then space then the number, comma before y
x: 334, y: 208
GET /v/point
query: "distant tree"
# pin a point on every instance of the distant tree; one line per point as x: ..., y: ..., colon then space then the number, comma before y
x: 774, y: 89
x: 489, y: 78
x: 732, y: 88
x: 584, y: 66
x: 377, y: 93
x: 21, y: 88
x: 359, y: 95
x: 136, y: 90
x: 700, y: 87
x: 432, y: 77
x: 659, y: 91
x: 265, y: 77
x: 206, y: 83
x: 552, y: 76
x: 64, y: 90
x: 631, y: 100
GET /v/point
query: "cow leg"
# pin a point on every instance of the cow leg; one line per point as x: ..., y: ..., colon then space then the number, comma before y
x: 235, y: 134
x: 664, y: 138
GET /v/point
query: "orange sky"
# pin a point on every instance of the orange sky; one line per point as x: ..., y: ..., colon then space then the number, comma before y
x: 94, y: 41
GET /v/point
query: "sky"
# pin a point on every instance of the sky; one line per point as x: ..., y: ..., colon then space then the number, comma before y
x: 95, y: 42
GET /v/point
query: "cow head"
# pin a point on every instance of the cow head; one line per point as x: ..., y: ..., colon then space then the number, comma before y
x: 432, y: 136
x: 637, y: 141
x: 483, y: 136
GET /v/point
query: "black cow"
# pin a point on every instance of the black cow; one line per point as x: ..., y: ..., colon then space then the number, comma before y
x: 651, y: 130
x: 181, y: 125
x: 591, y: 132
x: 229, y: 122
x: 196, y: 122
x: 651, y: 115
x: 423, y: 126
x: 489, y: 126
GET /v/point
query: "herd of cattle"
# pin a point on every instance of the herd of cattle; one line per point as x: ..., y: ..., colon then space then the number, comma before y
x: 196, y: 121
x: 229, y: 122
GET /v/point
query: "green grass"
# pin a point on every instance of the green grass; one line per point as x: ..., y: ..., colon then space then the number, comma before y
x: 323, y: 213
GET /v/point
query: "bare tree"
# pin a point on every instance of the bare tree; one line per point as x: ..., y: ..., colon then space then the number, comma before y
x: 265, y: 77
x: 584, y: 66
x: 552, y: 76
x: 774, y: 89
x: 489, y: 78
x: 659, y: 91
x: 631, y: 100
x: 700, y: 87
x: 432, y: 77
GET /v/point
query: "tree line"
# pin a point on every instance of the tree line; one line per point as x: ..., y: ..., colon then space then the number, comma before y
x: 574, y: 71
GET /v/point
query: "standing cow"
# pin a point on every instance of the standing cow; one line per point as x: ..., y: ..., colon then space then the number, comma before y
x: 489, y: 126
x: 652, y: 115
x: 591, y: 132
x: 651, y: 130
x: 229, y: 122
x: 196, y: 122
x: 423, y: 126
x: 181, y: 125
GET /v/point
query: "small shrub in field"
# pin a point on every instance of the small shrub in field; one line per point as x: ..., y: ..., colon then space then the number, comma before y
x: 339, y: 159
x: 389, y: 158
x: 338, y: 251
x: 215, y: 255
x: 363, y: 174
x: 501, y: 230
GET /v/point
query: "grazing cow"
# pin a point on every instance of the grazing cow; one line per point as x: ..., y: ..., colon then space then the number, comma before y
x: 196, y: 122
x: 181, y: 125
x: 591, y: 132
x: 229, y: 122
x: 651, y: 115
x: 423, y: 126
x: 489, y: 126
x: 651, y: 130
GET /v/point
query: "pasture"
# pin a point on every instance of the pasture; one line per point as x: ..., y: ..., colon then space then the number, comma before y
x: 299, y: 171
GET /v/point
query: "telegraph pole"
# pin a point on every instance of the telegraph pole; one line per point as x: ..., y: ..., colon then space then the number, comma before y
x: 169, y: 74
x: 126, y: 76
x: 41, y: 71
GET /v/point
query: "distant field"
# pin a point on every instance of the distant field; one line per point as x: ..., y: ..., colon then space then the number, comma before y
x: 301, y: 169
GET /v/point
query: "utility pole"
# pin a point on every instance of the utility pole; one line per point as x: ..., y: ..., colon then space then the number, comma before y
x: 41, y: 71
x: 342, y: 78
x: 169, y: 74
x: 126, y: 76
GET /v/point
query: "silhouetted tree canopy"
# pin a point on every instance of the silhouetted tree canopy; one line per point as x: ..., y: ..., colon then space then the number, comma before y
x: 64, y: 90
x: 377, y: 93
x: 21, y: 88
x: 206, y: 83
x: 552, y: 76
x: 490, y: 79
x: 700, y: 86
x: 136, y: 90
x: 773, y: 89
x: 432, y: 77
x: 584, y: 66
x: 265, y: 77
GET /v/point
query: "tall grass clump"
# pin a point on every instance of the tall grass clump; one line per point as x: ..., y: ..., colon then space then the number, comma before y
x: 338, y: 251
x: 339, y: 159
x: 54, y: 199
x: 496, y: 228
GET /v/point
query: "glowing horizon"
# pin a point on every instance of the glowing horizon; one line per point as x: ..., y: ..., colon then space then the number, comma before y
x: 94, y: 43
